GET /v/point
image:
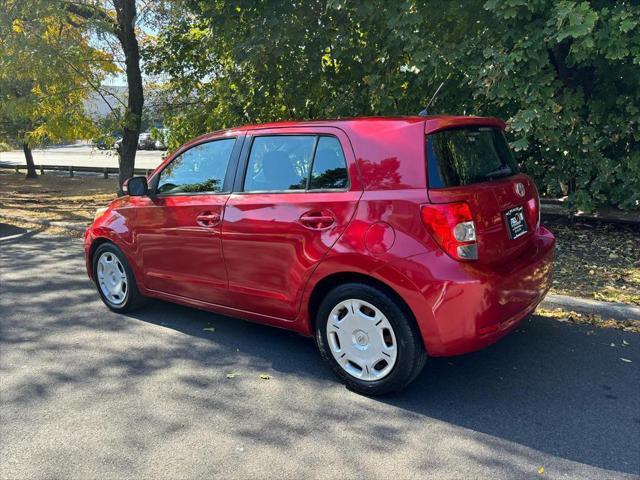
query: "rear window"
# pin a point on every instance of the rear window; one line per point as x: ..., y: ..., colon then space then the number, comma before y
x: 463, y: 156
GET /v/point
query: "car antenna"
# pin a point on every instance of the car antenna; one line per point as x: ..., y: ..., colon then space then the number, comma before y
x: 424, y: 112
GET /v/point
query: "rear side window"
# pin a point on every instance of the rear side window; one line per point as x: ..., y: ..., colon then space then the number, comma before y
x: 295, y: 162
x: 468, y: 155
x: 200, y: 169
x: 329, y: 166
x: 279, y: 162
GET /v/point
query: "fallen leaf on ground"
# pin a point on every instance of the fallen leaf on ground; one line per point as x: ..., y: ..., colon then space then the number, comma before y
x: 265, y: 376
x: 597, y: 261
x: 541, y: 470
x: 590, y: 319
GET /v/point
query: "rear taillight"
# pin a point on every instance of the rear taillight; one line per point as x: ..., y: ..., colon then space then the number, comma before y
x: 533, y: 208
x: 452, y: 227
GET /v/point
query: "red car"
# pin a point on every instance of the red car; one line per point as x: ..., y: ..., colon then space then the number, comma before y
x: 387, y: 239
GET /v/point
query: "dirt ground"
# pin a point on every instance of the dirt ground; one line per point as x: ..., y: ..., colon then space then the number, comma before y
x: 597, y: 260
x: 600, y: 261
x: 55, y: 197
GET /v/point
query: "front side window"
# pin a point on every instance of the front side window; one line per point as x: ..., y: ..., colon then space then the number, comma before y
x: 200, y: 169
x: 295, y: 162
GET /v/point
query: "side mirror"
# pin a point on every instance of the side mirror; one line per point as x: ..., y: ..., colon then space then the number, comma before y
x: 136, y: 186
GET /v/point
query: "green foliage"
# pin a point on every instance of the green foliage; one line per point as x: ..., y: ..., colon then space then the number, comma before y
x: 568, y: 81
x: 564, y: 74
x: 47, y: 69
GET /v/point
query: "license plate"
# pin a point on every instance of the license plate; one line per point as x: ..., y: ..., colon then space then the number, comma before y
x: 516, y: 224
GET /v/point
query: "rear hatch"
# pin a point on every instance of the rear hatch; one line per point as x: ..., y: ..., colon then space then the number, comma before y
x: 473, y: 164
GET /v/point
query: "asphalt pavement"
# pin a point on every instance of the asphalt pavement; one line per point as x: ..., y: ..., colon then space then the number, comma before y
x: 86, y: 393
x: 80, y: 155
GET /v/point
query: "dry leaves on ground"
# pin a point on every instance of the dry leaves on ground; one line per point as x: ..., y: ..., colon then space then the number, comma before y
x: 632, y: 326
x: 54, y: 197
x: 597, y: 260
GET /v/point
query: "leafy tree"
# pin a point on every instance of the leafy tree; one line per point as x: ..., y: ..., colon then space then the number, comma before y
x: 117, y: 18
x: 568, y: 80
x: 238, y: 62
x: 564, y: 74
x: 46, y: 71
x: 102, y: 21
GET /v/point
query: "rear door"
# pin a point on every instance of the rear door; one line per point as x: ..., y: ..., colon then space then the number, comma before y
x: 179, y: 230
x: 294, y: 195
x: 474, y: 164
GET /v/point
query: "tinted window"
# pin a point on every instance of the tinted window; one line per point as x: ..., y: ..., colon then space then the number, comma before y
x: 278, y: 163
x: 468, y: 155
x: 200, y: 169
x: 329, y: 166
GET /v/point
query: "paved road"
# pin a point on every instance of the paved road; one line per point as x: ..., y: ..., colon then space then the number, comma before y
x: 81, y: 156
x: 86, y: 393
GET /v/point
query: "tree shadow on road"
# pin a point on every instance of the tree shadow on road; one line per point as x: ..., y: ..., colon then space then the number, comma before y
x: 549, y: 387
x: 14, y: 234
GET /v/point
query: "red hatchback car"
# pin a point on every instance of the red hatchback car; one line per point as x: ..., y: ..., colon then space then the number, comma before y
x: 387, y: 239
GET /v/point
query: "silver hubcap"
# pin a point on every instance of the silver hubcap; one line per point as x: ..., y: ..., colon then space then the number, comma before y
x: 112, y: 278
x: 362, y: 340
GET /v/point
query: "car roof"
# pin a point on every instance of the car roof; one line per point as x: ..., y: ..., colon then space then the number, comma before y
x: 432, y: 123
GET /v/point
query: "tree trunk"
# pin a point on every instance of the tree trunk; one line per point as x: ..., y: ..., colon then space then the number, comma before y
x: 31, y: 168
x: 125, y: 30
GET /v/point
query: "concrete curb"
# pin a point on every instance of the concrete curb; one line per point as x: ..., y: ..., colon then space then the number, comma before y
x: 78, y: 227
x: 619, y: 311
x: 555, y: 208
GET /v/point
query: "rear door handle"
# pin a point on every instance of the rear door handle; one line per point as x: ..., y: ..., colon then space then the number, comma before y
x: 317, y: 220
x: 208, y: 219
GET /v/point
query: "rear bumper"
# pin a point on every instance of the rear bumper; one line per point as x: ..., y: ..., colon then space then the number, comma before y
x: 461, y: 307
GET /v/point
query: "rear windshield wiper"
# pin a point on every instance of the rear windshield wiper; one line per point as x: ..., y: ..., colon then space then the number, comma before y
x: 503, y: 171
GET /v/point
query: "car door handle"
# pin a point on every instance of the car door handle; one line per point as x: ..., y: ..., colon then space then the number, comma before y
x: 208, y: 219
x: 317, y: 220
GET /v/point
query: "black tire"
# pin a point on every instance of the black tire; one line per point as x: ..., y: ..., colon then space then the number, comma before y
x: 133, y: 299
x: 411, y: 355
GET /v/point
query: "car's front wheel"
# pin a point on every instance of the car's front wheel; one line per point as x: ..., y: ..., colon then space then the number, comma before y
x: 368, y: 339
x: 114, y: 279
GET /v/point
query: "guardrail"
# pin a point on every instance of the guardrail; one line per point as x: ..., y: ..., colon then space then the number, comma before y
x: 71, y: 169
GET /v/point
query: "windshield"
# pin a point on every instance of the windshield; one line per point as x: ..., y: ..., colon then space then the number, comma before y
x: 468, y: 155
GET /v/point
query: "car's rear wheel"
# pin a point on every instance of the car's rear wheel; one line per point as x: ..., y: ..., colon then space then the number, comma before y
x: 368, y: 339
x: 114, y: 279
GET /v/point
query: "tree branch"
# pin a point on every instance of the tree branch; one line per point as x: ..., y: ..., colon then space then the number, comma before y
x: 89, y: 12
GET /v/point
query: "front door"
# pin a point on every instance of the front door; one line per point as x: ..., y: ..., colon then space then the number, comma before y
x: 179, y: 232
x: 290, y: 205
